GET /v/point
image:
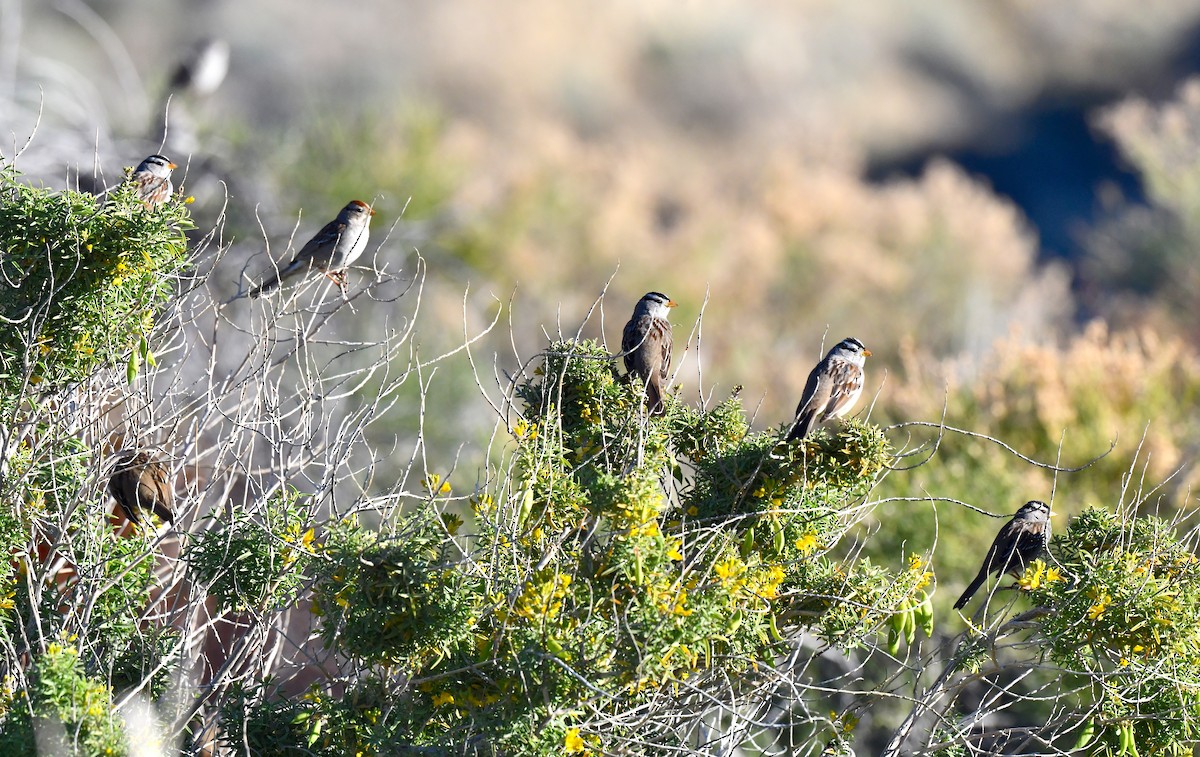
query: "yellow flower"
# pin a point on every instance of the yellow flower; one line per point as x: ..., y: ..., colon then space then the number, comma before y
x: 774, y: 578
x: 1033, y: 575
x: 1102, y: 603
x: 444, y: 698
x: 188, y: 200
x: 680, y: 607
x: 808, y: 542
x: 573, y: 743
x: 525, y: 430
x: 693, y: 510
x: 915, y: 562
x: 1053, y: 575
x: 925, y: 580
x: 543, y: 599
x: 673, y: 552
x: 728, y: 568
x: 445, y: 488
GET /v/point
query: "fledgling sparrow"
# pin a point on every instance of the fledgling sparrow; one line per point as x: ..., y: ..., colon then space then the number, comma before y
x: 141, y: 485
x: 333, y: 248
x: 1019, y: 543
x: 152, y: 178
x: 833, y: 387
x: 646, y: 344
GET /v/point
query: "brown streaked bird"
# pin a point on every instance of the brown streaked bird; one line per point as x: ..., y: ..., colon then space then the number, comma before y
x: 140, y: 485
x: 833, y: 387
x: 334, y: 247
x: 152, y: 178
x: 646, y: 344
x: 1019, y: 543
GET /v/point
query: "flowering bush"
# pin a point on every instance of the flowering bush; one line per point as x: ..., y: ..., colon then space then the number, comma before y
x: 81, y: 281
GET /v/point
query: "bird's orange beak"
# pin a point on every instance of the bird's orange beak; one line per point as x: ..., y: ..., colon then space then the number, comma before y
x: 672, y: 304
x: 171, y: 165
x: 866, y: 353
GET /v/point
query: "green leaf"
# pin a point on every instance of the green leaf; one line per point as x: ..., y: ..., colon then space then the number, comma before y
x: 147, y: 353
x: 135, y: 363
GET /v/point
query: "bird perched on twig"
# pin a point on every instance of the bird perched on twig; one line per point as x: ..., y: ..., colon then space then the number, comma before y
x: 335, y: 247
x: 1019, y: 543
x: 140, y: 485
x: 152, y: 178
x: 833, y: 387
x: 646, y: 344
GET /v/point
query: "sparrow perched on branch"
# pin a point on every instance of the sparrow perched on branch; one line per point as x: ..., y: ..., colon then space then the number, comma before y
x: 141, y: 484
x: 646, y: 344
x: 152, y: 178
x: 334, y: 248
x: 1019, y: 543
x: 833, y: 387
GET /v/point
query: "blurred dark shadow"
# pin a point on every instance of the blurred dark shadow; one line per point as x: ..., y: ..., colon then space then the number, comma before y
x: 1044, y: 153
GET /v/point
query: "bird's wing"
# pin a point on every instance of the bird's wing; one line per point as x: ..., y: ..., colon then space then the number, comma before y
x: 123, y: 486
x: 319, y: 250
x: 667, y: 343
x: 817, y: 391
x: 631, y: 339
x: 845, y: 381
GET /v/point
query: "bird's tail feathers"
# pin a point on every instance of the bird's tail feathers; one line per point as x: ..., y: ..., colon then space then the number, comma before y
x: 165, y: 515
x: 970, y: 592
x: 654, y: 398
x: 272, y: 282
x: 266, y: 286
x: 801, y: 427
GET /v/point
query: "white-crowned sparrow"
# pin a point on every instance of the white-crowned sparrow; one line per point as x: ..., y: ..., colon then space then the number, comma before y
x: 152, y: 178
x: 833, y: 387
x: 1019, y: 543
x: 141, y: 485
x: 646, y: 344
x: 333, y: 248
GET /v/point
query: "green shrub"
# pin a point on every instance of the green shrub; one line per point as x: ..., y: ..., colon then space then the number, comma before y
x: 1124, y: 612
x: 255, y: 561
x: 402, y: 599
x: 61, y: 698
x: 81, y: 281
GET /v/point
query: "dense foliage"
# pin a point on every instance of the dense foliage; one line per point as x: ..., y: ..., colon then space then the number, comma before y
x: 81, y: 281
